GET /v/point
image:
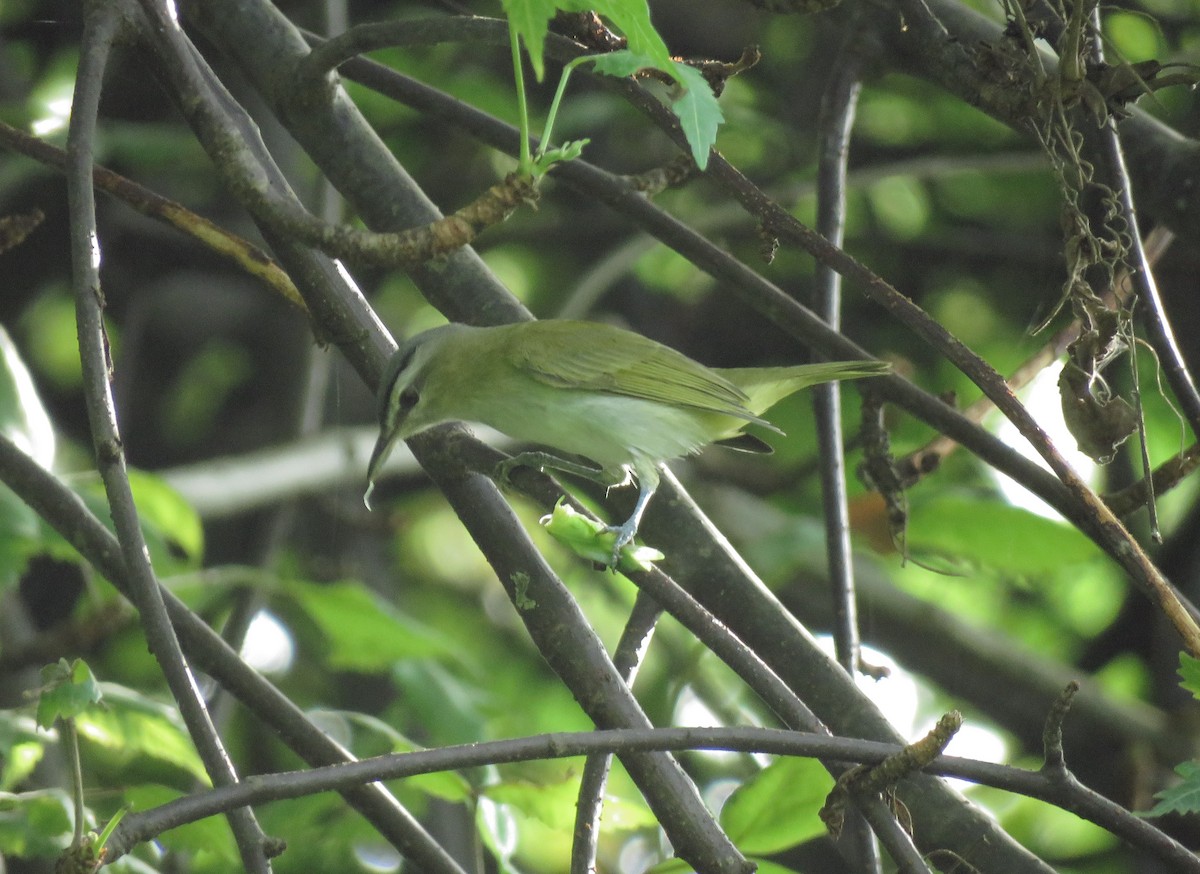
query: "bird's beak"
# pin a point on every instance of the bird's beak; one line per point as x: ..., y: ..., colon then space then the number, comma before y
x: 383, y: 448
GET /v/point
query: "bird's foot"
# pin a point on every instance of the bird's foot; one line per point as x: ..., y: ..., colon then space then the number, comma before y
x: 625, y: 534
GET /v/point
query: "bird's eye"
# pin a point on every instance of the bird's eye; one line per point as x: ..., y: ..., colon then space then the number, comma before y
x: 409, y: 398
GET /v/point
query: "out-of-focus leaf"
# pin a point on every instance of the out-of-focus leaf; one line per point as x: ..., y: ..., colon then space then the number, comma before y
x: 206, y: 837
x: 993, y: 534
x: 137, y: 732
x: 1189, y: 670
x: 21, y: 748
x: 191, y: 409
x: 452, y: 708
x: 34, y: 824
x: 553, y: 804
x: 68, y: 690
x: 678, y: 866
x: 322, y: 834
x: 499, y: 830
x: 363, y: 632
x: 23, y: 419
x: 168, y: 517
x: 55, y: 357
x: 25, y: 422
x: 1052, y: 832
x: 447, y: 785
x: 777, y: 808
x: 173, y: 532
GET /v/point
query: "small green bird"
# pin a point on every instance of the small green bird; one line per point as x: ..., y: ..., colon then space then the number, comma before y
x: 612, y: 396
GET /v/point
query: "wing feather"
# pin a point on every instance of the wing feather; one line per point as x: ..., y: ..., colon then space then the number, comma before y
x: 622, y: 363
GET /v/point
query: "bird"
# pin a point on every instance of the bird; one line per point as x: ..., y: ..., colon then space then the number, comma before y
x: 614, y: 397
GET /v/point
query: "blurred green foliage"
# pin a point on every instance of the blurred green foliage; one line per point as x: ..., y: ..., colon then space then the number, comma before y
x: 401, y: 634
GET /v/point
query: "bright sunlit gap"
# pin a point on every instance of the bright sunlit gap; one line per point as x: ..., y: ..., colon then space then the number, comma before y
x: 898, y: 696
x: 268, y: 647
x: 1041, y: 397
x: 58, y: 112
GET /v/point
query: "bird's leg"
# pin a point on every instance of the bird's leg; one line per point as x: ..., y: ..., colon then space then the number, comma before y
x: 647, y: 477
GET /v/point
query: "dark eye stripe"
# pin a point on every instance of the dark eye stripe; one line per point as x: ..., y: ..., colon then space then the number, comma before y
x: 395, y: 368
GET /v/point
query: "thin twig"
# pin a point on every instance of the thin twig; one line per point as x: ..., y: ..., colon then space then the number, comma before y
x: 627, y: 658
x: 837, y: 118
x: 1052, y: 735
x: 271, y: 787
x: 231, y: 247
x: 101, y: 26
x: 838, y: 106
x: 1150, y: 305
x: 763, y: 296
x: 929, y: 457
x: 65, y: 512
x: 1098, y: 521
x: 565, y: 639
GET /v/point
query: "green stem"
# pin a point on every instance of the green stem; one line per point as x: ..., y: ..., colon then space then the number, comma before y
x: 558, y: 96
x: 525, y: 163
x: 70, y: 739
x: 110, y: 828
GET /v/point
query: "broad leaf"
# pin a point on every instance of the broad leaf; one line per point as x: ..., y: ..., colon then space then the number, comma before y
x: 698, y: 111
x: 778, y: 807
x: 363, y: 632
x: 138, y: 733
x: 1184, y: 797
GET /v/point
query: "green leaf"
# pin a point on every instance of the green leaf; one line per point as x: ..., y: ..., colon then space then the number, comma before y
x: 35, y: 824
x: 447, y: 785
x: 322, y: 834
x: 1184, y: 797
x: 23, y: 419
x: 136, y: 733
x: 22, y: 746
x: 632, y: 18
x: 777, y: 808
x: 992, y: 534
x: 363, y: 632
x: 449, y: 707
x: 1189, y: 670
x: 698, y: 112
x: 208, y: 836
x: 697, y: 108
x: 591, y: 540
x: 167, y: 518
x: 68, y: 689
x: 568, y: 151
x: 531, y: 19
x: 552, y: 803
x: 25, y: 422
x: 678, y: 866
x: 620, y: 64
x: 173, y: 532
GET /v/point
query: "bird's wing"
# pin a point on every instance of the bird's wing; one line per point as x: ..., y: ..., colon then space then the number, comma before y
x: 598, y: 357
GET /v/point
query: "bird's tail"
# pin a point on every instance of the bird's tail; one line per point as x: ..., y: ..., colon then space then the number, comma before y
x: 766, y: 386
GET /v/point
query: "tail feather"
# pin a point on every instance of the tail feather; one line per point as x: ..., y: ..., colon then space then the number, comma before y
x: 766, y: 386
